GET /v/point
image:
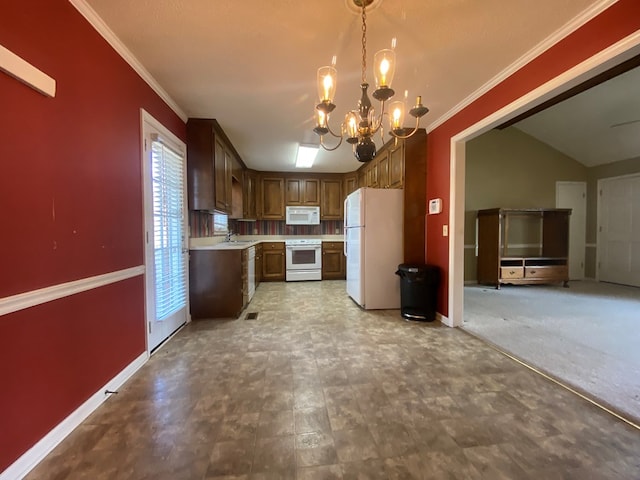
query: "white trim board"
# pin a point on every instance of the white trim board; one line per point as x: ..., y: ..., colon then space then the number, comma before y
x: 48, y: 294
x: 101, y: 27
x: 46, y: 444
x: 23, y: 71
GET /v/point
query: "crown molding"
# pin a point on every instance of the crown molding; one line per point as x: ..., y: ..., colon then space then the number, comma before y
x: 101, y: 27
x: 535, y: 52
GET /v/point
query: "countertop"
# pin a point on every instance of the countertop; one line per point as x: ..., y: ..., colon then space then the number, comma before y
x: 245, y: 241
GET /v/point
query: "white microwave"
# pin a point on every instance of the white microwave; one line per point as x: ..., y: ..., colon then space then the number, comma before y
x: 303, y: 215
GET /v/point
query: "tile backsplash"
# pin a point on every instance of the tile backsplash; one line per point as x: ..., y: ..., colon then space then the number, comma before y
x: 278, y: 227
x: 201, y: 225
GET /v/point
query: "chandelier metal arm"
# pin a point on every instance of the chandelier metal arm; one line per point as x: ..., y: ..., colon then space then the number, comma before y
x: 330, y: 149
x: 377, y: 123
x: 402, y: 136
x: 332, y: 132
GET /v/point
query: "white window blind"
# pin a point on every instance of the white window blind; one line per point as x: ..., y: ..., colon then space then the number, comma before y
x: 168, y: 230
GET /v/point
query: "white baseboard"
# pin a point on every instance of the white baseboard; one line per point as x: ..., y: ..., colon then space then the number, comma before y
x: 442, y: 319
x: 21, y: 467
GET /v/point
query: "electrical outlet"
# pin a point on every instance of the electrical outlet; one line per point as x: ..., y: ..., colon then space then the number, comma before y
x: 445, y: 230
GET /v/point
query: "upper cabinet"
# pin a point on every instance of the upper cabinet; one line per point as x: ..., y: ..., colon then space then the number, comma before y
x: 396, y: 166
x: 332, y: 199
x: 200, y: 178
x: 211, y: 163
x: 350, y: 183
x: 272, y: 196
x: 302, y: 191
x: 403, y: 164
x: 383, y: 169
x: 250, y: 204
x: 222, y: 175
x: 219, y: 180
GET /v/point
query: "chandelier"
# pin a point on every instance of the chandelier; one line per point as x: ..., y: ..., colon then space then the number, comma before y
x: 361, y: 124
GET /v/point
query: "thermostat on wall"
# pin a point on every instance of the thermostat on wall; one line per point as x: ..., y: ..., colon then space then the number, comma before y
x: 435, y: 206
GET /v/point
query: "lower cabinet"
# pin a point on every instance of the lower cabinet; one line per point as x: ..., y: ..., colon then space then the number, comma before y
x: 218, y: 285
x: 273, y: 262
x: 258, y: 264
x: 333, y: 261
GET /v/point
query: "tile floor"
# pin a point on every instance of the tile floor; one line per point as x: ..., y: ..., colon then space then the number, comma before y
x: 316, y: 388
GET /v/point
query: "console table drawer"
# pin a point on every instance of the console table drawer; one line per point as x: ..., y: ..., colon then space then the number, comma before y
x: 511, y: 272
x: 555, y: 271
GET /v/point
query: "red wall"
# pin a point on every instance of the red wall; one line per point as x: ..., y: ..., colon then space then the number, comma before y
x: 70, y: 208
x: 617, y: 22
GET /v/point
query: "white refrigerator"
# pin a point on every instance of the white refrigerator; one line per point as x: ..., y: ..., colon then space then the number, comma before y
x: 373, y: 223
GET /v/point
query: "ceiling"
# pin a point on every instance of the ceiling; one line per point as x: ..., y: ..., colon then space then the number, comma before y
x: 252, y: 64
x: 600, y: 125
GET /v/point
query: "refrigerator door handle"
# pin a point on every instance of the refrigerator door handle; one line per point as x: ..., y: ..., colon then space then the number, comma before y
x: 344, y: 221
x: 344, y: 244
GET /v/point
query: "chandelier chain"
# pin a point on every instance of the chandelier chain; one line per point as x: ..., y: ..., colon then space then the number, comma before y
x: 364, y: 42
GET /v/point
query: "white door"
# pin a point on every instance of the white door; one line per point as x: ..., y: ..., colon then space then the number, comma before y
x: 619, y: 230
x: 573, y: 195
x: 166, y: 253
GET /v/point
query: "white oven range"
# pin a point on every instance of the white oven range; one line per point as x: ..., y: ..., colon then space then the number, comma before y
x: 303, y: 259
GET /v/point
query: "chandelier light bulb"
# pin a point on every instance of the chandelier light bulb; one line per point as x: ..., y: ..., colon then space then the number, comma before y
x: 350, y: 126
x: 396, y: 119
x: 321, y: 119
x: 384, y: 68
x: 327, y: 84
x: 385, y: 62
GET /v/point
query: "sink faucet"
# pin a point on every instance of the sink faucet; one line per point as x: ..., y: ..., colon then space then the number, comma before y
x: 229, y: 235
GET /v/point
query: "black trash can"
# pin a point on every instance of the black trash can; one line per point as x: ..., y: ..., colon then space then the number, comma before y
x: 418, y: 291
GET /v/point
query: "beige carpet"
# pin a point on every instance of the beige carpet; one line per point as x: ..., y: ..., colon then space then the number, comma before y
x: 587, y: 335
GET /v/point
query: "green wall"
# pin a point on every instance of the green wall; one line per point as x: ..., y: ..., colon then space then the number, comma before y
x: 510, y: 169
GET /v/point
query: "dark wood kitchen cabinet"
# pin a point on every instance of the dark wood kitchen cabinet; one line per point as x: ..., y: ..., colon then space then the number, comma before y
x: 272, y: 196
x: 302, y: 191
x: 350, y: 183
x: 259, y: 249
x: 222, y: 174
x: 217, y: 283
x: 333, y: 261
x: 332, y: 200
x: 200, y: 173
x: 273, y: 262
x: 250, y: 204
x: 396, y: 166
x: 210, y: 164
x: 383, y: 169
x: 403, y: 164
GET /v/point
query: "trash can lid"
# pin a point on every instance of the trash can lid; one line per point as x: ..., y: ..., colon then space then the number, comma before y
x: 413, y: 267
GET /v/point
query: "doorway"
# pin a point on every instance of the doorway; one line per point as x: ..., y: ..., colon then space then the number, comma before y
x: 166, y: 234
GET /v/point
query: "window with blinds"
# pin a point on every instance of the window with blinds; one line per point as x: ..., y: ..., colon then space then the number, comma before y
x: 168, y: 230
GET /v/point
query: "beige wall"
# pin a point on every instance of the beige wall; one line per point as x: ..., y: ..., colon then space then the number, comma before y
x: 615, y: 169
x: 510, y: 169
